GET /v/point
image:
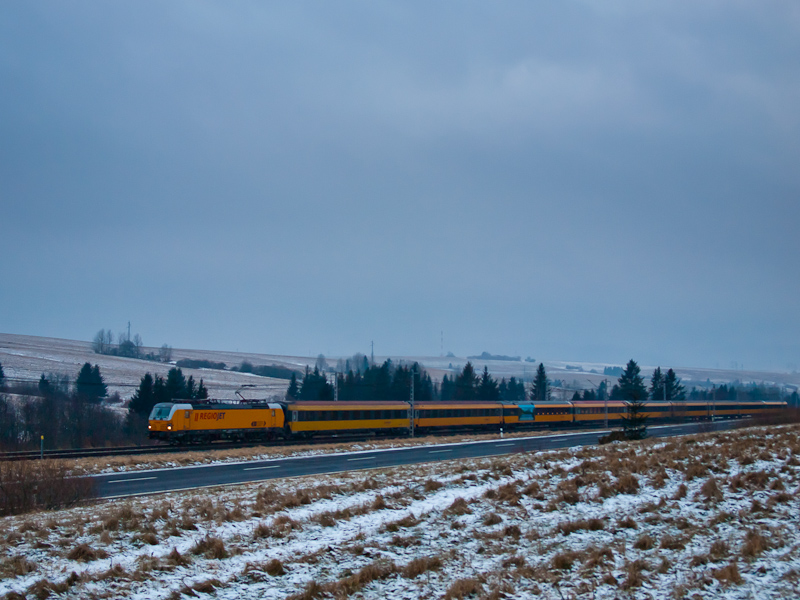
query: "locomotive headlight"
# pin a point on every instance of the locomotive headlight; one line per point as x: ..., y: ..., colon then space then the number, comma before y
x: 149, y: 426
x: 169, y: 426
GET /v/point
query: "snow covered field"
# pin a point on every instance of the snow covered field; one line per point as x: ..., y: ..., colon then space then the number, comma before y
x: 708, y: 516
x: 25, y: 358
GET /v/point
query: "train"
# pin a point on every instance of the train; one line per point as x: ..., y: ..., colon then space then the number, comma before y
x: 183, y: 422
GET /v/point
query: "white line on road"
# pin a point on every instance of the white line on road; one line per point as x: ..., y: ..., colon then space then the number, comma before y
x: 438, y: 451
x: 131, y: 479
x: 511, y: 444
x: 261, y: 468
x: 365, y: 458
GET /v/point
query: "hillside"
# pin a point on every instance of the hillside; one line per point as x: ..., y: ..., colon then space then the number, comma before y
x: 703, y: 517
x: 27, y: 357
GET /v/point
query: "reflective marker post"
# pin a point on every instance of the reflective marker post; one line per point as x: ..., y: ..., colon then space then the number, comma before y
x: 41, y: 449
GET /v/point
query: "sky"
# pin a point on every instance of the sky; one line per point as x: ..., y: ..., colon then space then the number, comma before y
x: 577, y: 180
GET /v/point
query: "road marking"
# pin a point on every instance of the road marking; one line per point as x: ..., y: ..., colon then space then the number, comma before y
x: 511, y: 444
x: 131, y: 479
x: 260, y: 468
x: 438, y: 451
x: 365, y: 458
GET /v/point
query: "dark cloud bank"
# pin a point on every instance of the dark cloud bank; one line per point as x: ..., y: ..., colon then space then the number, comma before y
x: 575, y: 180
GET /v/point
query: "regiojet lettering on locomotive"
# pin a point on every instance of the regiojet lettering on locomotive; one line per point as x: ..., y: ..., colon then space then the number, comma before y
x: 184, y: 422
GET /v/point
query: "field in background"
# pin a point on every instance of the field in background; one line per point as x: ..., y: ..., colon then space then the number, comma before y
x: 27, y: 357
x: 706, y: 516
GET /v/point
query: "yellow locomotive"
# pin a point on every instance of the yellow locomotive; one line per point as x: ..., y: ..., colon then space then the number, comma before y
x: 183, y: 422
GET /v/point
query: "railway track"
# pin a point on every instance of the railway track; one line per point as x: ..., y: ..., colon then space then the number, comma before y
x: 142, y: 450
x: 166, y: 449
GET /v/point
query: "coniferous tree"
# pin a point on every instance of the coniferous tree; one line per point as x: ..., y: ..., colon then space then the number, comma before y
x: 89, y: 386
x: 675, y: 391
x: 191, y: 388
x: 540, y: 389
x: 602, y: 391
x: 464, y: 387
x: 144, y: 398
x: 293, y: 392
x: 44, y: 385
x: 446, y: 391
x: 315, y: 386
x: 657, y: 385
x: 487, y: 390
x: 202, y: 391
x: 176, y: 385
x: 631, y: 390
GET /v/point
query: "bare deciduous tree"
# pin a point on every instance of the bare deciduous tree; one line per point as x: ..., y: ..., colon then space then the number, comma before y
x: 165, y: 353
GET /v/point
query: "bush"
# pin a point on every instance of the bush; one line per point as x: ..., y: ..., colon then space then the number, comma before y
x: 189, y: 363
x: 210, y: 547
x: 32, y: 485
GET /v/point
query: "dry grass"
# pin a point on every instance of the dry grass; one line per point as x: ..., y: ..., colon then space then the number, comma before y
x: 754, y: 544
x: 627, y: 523
x: 634, y: 574
x: 458, y: 508
x: 273, y: 568
x: 421, y: 565
x: 16, y: 565
x: 626, y: 484
x: 644, y: 542
x: 568, y: 527
x: 461, y: 588
x: 210, y: 547
x: 85, y: 553
x: 43, y: 484
x: 729, y: 574
x: 431, y: 485
x: 492, y: 519
x: 204, y: 587
x: 710, y: 491
x: 349, y: 585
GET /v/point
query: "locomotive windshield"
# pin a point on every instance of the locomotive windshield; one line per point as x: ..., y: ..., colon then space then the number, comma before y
x: 161, y: 412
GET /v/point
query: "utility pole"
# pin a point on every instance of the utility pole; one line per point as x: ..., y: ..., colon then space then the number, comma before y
x: 129, y: 331
x: 713, y: 402
x: 413, y: 410
x: 335, y: 387
x: 372, y: 352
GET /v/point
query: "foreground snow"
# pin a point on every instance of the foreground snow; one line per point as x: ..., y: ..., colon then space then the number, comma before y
x: 710, y: 516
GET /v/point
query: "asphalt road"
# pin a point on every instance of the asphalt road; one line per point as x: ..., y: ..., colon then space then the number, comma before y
x: 167, y: 480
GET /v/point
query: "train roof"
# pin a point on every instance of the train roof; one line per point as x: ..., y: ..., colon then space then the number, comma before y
x: 330, y: 405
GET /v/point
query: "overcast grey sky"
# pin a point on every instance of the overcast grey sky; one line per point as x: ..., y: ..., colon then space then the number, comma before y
x: 576, y: 180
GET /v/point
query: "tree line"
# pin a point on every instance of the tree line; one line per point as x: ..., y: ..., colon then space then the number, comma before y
x: 69, y: 414
x: 127, y: 346
x: 155, y: 388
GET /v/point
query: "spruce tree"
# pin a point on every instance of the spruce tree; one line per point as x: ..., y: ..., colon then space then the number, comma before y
x: 44, y: 386
x: 657, y: 386
x: 144, y: 398
x: 89, y: 386
x: 675, y: 391
x: 446, y: 390
x: 176, y: 385
x: 540, y: 389
x: 487, y: 388
x: 292, y: 392
x: 202, y: 391
x: 631, y: 390
x: 464, y: 387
